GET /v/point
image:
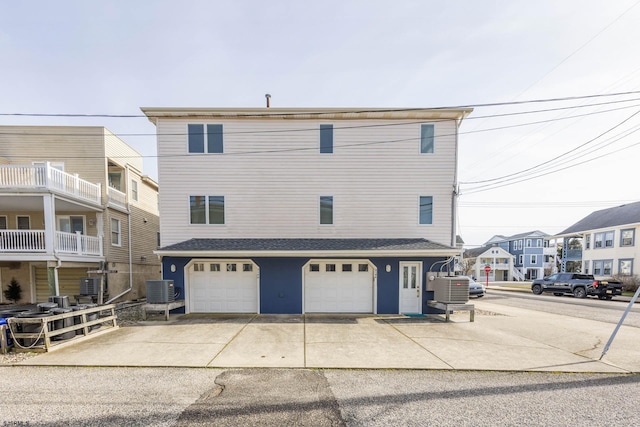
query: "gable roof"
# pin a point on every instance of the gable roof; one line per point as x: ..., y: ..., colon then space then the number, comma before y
x: 499, y: 238
x: 611, y: 217
x: 477, y: 252
x: 306, y: 246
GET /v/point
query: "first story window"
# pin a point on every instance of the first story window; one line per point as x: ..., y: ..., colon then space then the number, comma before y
x: 602, y: 267
x: 427, y: 139
x: 206, y: 209
x: 426, y: 210
x: 586, y: 267
x: 326, y: 210
x: 625, y: 267
x: 200, y: 141
x: 3, y: 223
x: 116, y: 237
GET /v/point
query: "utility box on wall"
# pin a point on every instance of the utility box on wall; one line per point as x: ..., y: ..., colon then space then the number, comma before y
x: 452, y: 289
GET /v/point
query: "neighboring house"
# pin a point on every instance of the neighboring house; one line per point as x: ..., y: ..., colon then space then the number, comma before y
x: 74, y: 201
x: 501, y: 262
x: 307, y: 210
x: 607, y: 242
x: 532, y: 250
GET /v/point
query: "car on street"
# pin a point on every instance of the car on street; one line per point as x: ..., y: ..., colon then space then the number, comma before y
x: 476, y: 289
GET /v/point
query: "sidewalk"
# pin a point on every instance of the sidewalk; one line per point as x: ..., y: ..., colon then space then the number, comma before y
x: 501, y: 338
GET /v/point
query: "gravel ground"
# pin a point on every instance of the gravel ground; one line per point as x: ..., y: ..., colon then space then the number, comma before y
x: 129, y: 314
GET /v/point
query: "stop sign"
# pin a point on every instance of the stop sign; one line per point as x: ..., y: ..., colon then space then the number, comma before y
x: 487, y: 269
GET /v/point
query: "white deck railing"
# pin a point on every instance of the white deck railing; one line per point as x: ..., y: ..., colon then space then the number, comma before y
x: 31, y: 176
x: 117, y: 197
x: 22, y: 241
x: 76, y: 243
x: 33, y: 241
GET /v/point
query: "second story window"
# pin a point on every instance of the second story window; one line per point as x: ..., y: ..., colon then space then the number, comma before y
x: 326, y: 210
x: 116, y: 237
x: 326, y: 139
x: 426, y: 210
x: 134, y: 190
x: 627, y: 237
x: 200, y: 141
x: 587, y: 241
x: 427, y: 139
x: 603, y: 240
x: 206, y: 209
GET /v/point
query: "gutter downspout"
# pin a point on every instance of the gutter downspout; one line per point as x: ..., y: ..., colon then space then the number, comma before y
x: 130, y: 254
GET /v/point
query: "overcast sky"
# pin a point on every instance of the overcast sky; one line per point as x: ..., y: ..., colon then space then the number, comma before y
x: 112, y: 57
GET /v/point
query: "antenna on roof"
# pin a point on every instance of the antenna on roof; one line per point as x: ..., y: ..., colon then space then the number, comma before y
x: 268, y: 100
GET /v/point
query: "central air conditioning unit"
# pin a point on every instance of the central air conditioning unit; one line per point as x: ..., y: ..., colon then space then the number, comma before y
x: 453, y: 289
x: 160, y: 291
x: 90, y: 285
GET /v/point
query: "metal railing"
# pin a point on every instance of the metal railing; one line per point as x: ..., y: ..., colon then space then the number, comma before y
x: 48, y: 177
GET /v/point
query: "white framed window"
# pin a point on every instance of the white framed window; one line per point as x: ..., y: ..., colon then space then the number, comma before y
x: 314, y: 267
x: 520, y: 258
x: 627, y: 237
x: 533, y: 259
x: 23, y: 222
x: 326, y: 210
x: 326, y: 139
x: 214, y: 267
x: 598, y: 240
x: 519, y: 245
x: 330, y: 267
x: 607, y: 267
x: 625, y: 267
x: 586, y: 267
x: 116, y: 236
x: 427, y: 139
x: 134, y: 190
x: 206, y: 210
x: 587, y: 241
x: 528, y: 243
x: 209, y: 142
x: 597, y: 268
x: 608, y: 239
x: 71, y: 223
x: 426, y: 210
x: 232, y: 267
x: 3, y: 222
x: 198, y: 267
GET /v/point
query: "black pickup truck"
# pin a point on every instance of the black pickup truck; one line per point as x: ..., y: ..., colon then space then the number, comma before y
x: 577, y: 284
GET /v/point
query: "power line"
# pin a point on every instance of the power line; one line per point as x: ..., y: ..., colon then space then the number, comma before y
x: 324, y: 113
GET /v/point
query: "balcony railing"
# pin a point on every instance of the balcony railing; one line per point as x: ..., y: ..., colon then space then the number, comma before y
x: 22, y: 241
x: 47, y: 177
x: 549, y: 251
x: 70, y: 243
x: 117, y: 197
x: 33, y: 241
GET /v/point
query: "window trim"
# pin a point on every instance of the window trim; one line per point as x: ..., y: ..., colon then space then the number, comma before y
x: 320, y: 206
x: 18, y: 222
x: 207, y: 208
x: 325, y: 139
x: 134, y: 190
x: 620, y: 261
x: 633, y: 237
x: 521, y: 259
x: 118, y: 232
x: 427, y: 141
x: 587, y: 239
x: 207, y: 145
x: 533, y: 259
x: 420, y: 210
x: 6, y: 222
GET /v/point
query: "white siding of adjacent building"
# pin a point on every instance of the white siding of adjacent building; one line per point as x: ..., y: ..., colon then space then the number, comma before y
x: 615, y: 253
x: 272, y: 181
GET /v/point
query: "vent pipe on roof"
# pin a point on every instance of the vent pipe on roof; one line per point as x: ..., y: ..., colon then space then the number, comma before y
x: 268, y: 100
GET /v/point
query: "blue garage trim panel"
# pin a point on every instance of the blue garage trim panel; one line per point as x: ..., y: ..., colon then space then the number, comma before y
x: 281, y: 280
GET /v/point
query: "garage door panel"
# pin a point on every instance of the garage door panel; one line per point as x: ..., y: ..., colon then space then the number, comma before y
x: 223, y: 289
x: 338, y: 290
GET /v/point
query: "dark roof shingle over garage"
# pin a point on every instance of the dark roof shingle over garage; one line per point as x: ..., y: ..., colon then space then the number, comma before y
x: 320, y: 245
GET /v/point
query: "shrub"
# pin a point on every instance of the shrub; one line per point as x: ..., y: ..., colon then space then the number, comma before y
x: 629, y: 283
x: 13, y: 291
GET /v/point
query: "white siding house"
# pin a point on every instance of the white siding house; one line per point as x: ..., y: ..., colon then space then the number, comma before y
x: 303, y: 185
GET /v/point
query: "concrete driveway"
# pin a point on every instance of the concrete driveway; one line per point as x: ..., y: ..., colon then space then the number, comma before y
x: 501, y: 338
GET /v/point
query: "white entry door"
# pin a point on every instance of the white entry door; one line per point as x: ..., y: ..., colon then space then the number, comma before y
x: 410, y: 287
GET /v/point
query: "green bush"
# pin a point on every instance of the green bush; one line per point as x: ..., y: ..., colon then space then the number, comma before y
x: 13, y: 291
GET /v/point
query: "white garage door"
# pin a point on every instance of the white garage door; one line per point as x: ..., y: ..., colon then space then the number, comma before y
x: 223, y: 287
x: 341, y: 286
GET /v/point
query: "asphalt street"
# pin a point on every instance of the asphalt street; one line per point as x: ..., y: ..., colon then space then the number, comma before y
x: 48, y: 396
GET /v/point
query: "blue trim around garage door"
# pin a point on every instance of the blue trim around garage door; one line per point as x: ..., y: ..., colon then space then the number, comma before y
x: 281, y: 281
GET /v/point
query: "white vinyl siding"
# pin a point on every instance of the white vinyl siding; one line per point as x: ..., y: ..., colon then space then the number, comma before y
x: 272, y: 189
